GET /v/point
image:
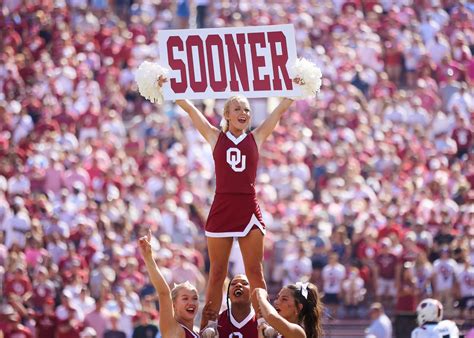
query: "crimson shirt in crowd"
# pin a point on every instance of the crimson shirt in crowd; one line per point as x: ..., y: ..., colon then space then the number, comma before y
x: 17, y: 286
x: 46, y: 325
x: 386, y: 231
x: 463, y: 138
x: 16, y: 331
x: 410, y: 255
x: 387, y: 264
x: 407, y: 302
x: 41, y: 292
x: 67, y: 329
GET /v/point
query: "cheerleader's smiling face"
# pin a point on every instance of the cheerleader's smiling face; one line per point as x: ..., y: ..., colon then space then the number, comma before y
x: 237, y: 114
x: 239, y: 290
x: 186, y: 304
x: 287, y: 306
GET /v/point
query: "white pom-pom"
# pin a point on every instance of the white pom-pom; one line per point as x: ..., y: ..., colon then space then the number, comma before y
x: 210, y: 331
x: 270, y: 332
x: 146, y: 77
x: 309, y: 74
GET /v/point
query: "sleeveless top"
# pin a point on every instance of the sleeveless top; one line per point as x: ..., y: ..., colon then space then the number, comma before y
x: 236, y: 161
x: 228, y: 326
x: 188, y: 333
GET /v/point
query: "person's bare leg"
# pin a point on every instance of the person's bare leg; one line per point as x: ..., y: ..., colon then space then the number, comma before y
x: 219, y: 251
x: 251, y: 247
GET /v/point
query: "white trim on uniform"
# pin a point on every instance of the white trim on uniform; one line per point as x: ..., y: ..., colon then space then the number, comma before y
x: 253, y: 221
x: 234, y: 139
x: 192, y: 332
x: 244, y: 322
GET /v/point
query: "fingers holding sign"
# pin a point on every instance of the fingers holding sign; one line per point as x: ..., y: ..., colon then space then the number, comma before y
x: 161, y: 80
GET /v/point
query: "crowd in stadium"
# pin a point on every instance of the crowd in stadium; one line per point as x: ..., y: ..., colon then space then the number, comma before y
x: 366, y: 190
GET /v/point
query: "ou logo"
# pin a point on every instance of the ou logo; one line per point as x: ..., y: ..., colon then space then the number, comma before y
x: 236, y: 335
x: 234, y: 158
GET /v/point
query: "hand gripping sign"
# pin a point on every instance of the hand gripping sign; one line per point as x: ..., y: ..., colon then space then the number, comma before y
x: 217, y: 63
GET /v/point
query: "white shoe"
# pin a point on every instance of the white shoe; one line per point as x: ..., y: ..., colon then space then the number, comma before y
x: 210, y: 331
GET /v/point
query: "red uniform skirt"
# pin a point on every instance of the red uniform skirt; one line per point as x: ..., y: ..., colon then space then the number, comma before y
x: 234, y: 215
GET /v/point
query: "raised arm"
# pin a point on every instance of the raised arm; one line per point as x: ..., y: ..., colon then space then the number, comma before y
x: 284, y: 327
x: 168, y: 324
x: 266, y: 128
x: 205, y: 128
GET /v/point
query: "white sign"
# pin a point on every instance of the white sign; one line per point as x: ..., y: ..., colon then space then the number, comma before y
x: 218, y: 63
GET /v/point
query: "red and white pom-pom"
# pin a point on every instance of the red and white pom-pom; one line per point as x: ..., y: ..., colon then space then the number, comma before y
x: 309, y: 74
x: 146, y: 77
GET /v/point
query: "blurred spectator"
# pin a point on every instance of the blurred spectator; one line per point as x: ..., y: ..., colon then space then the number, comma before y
x: 183, y: 13
x: 114, y: 331
x: 17, y: 225
x: 202, y: 8
x: 43, y: 288
x: 353, y: 291
x: 407, y: 298
x: 46, y: 319
x: 385, y: 272
x: 146, y: 327
x: 423, y: 276
x: 18, y: 288
x: 465, y: 278
x: 334, y: 274
x: 407, y: 291
x: 444, y: 274
x: 297, y: 266
x: 381, y: 326
x: 97, y: 319
x: 10, y: 323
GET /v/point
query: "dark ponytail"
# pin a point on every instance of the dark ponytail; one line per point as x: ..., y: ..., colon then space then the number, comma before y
x: 311, y: 314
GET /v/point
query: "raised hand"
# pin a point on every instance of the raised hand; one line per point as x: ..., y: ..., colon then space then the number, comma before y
x: 208, y: 313
x: 161, y: 80
x: 144, y: 244
x: 260, y: 293
x: 261, y: 330
x: 299, y: 81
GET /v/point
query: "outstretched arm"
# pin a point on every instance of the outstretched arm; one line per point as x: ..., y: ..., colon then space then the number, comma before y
x: 168, y: 325
x: 205, y: 128
x: 266, y: 128
x: 284, y: 327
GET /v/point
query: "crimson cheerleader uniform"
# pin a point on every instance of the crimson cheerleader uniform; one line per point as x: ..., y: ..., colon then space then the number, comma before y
x: 188, y: 333
x: 235, y: 209
x: 228, y: 326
